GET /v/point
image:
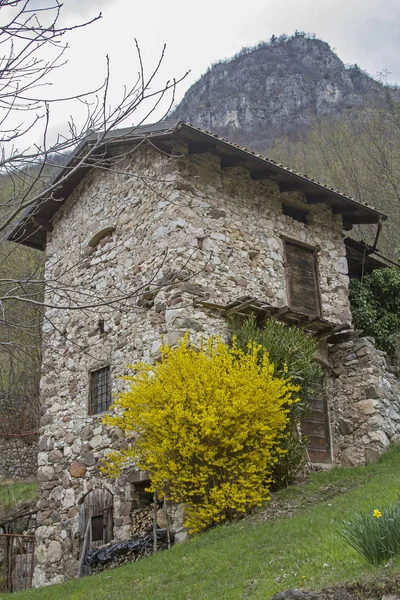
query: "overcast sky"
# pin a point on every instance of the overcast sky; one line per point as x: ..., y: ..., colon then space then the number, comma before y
x: 366, y: 32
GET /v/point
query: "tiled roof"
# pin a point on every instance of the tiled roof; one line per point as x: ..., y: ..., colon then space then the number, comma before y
x: 31, y: 228
x: 270, y: 161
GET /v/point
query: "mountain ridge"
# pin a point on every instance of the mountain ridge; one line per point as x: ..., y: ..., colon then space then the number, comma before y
x: 277, y: 88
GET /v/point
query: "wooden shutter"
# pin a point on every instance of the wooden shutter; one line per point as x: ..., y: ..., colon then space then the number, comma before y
x: 302, y: 279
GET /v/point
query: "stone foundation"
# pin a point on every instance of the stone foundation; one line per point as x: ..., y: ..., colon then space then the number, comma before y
x: 364, y: 403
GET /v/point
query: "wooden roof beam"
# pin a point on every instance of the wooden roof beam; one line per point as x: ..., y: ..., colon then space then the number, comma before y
x: 200, y: 147
x: 291, y: 186
x: 358, y: 220
x: 317, y: 198
x: 259, y: 174
x: 46, y: 225
x: 342, y: 209
x: 232, y: 161
x: 306, y: 320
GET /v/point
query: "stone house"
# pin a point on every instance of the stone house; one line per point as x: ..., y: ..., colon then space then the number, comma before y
x: 172, y: 231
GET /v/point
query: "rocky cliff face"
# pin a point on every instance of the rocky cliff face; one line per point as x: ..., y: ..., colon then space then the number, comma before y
x: 276, y: 88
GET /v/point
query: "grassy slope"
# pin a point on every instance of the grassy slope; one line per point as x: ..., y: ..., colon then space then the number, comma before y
x: 258, y: 556
x: 14, y: 494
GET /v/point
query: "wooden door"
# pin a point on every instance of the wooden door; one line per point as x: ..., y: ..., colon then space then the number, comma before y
x: 96, y: 519
x: 316, y: 427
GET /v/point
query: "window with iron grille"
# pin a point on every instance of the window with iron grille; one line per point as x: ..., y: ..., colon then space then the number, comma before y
x: 100, y: 391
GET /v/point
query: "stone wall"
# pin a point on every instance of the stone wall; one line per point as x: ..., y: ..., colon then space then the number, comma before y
x: 364, y: 403
x: 200, y: 233
x: 18, y: 456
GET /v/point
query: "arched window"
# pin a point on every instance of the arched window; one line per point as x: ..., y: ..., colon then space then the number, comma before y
x: 107, y: 231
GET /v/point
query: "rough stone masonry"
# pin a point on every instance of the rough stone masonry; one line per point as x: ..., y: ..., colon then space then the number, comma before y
x: 18, y: 456
x: 200, y: 233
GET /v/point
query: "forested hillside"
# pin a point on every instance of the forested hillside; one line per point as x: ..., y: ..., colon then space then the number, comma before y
x: 359, y: 153
x: 20, y: 270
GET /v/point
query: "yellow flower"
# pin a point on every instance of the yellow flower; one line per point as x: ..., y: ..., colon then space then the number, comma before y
x: 209, y: 423
x: 377, y: 513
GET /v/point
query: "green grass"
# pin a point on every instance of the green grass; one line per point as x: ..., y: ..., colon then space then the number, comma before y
x: 261, y: 555
x: 14, y: 494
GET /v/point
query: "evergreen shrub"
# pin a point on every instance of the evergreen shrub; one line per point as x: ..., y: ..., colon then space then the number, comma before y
x: 375, y: 306
x: 293, y: 353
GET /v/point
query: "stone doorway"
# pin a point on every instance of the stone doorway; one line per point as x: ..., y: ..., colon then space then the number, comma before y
x: 96, y: 524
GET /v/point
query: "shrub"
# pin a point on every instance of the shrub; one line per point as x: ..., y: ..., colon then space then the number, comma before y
x: 292, y: 352
x: 210, y: 422
x: 375, y: 305
x: 375, y: 535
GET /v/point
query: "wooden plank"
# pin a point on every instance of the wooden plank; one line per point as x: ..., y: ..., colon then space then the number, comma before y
x: 319, y: 456
x: 306, y: 320
x: 360, y: 220
x: 272, y: 309
x: 291, y: 186
x: 241, y: 306
x: 342, y: 209
x: 299, y: 316
x: 317, y: 441
x: 333, y: 329
x: 200, y: 147
x: 317, y: 198
x: 310, y: 427
x: 315, y: 425
x: 46, y: 225
x: 211, y: 305
x: 232, y: 161
x: 259, y: 174
x: 235, y: 302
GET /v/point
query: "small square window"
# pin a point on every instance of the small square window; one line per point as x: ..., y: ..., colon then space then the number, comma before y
x: 100, y: 391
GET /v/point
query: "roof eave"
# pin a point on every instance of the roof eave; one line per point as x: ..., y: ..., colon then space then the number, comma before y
x: 356, y: 213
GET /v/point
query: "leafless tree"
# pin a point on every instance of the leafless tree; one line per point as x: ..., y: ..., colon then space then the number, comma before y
x: 33, y: 48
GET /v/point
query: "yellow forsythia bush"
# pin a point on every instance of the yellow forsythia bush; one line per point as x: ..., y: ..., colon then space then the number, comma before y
x: 210, y: 421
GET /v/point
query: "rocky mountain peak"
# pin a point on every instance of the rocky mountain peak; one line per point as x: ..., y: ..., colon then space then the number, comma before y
x: 275, y: 88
